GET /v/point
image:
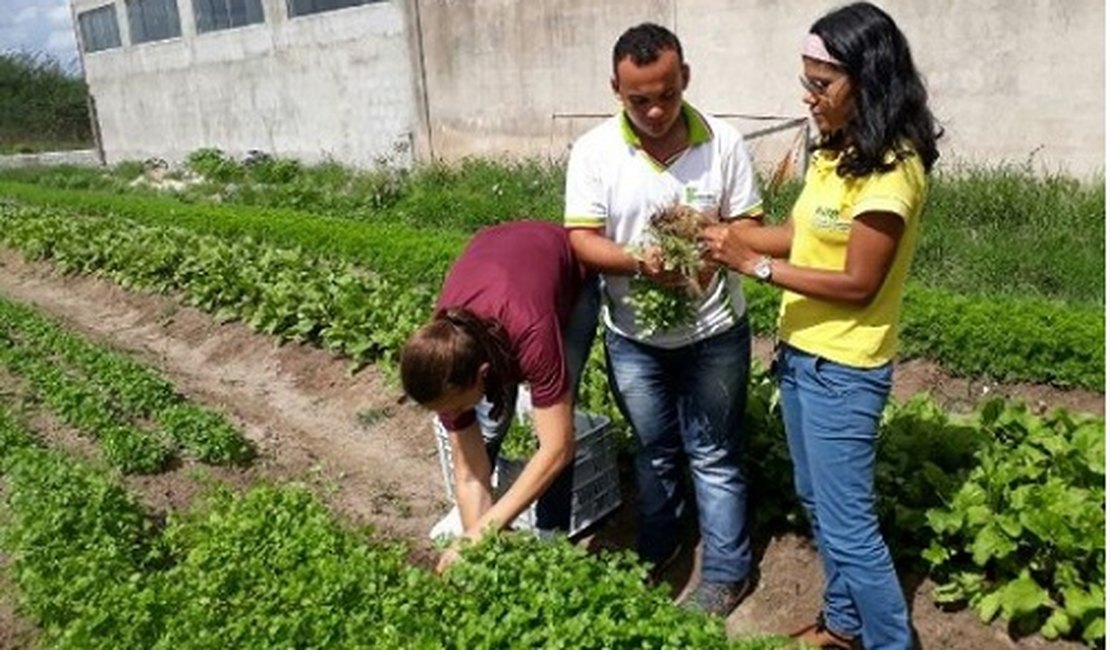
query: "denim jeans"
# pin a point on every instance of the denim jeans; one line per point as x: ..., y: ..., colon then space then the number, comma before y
x: 553, y: 507
x: 688, y: 402
x: 832, y: 412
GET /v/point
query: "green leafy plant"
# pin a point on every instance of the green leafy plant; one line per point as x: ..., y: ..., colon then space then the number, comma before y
x: 110, y: 398
x: 520, y: 441
x: 1023, y: 535
x: 206, y: 434
x: 214, y: 164
x: 590, y: 601
x: 674, y: 232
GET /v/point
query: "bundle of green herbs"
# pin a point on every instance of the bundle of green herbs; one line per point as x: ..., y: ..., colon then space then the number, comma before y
x: 520, y: 441
x: 674, y: 232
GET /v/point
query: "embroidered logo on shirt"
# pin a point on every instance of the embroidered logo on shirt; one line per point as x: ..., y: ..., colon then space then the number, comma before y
x: 699, y: 199
x: 826, y: 218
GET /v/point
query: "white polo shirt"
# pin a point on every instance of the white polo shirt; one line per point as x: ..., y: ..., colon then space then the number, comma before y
x: 612, y: 184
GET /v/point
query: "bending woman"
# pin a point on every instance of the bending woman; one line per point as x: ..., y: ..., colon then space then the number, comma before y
x: 504, y: 317
x: 842, y: 260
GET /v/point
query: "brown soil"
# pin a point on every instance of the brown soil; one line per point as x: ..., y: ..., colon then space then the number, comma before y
x: 371, y: 456
x: 15, y: 631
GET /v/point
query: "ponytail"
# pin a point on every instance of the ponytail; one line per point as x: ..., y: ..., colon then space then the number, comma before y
x: 447, y: 353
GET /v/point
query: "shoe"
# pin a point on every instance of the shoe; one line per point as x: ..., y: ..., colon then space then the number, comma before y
x: 818, y: 636
x: 719, y: 598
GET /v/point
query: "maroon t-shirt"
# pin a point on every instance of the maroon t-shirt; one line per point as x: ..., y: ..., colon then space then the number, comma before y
x: 524, y: 276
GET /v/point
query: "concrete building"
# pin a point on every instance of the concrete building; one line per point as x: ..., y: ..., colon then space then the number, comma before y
x: 365, y: 81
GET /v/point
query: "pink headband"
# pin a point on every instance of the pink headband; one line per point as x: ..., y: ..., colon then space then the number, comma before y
x: 814, y: 48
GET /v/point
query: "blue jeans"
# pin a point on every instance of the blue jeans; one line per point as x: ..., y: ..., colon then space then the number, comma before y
x: 689, y: 402
x: 832, y: 412
x: 553, y: 507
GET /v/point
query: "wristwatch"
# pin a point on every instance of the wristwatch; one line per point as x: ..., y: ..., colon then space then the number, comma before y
x: 762, y: 271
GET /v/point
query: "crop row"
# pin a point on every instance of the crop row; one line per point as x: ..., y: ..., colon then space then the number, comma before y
x: 286, y: 293
x: 1003, y: 337
x: 411, y: 254
x: 271, y: 568
x: 1024, y: 534
x: 137, y: 417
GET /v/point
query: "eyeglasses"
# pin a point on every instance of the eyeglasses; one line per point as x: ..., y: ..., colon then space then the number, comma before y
x: 818, y: 87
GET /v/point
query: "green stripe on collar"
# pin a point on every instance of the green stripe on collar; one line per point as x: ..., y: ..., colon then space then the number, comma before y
x: 698, y: 131
x: 628, y: 132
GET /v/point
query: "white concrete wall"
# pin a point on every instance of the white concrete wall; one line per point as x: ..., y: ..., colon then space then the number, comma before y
x: 1009, y: 81
x: 497, y: 70
x: 329, y: 85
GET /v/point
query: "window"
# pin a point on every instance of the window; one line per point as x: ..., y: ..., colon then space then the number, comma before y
x: 99, y: 29
x: 302, y: 7
x: 225, y: 14
x: 153, y: 20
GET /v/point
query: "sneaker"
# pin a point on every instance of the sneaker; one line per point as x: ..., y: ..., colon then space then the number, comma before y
x: 718, y: 598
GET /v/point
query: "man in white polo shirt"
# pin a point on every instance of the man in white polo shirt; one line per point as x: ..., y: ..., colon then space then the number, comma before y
x: 684, y: 389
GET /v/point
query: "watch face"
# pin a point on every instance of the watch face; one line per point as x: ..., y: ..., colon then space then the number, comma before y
x: 763, y: 269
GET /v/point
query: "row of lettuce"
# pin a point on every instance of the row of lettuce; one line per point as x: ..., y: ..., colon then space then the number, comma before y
x: 140, y: 422
x: 1006, y: 338
x: 271, y: 568
x: 961, y: 497
x: 266, y: 568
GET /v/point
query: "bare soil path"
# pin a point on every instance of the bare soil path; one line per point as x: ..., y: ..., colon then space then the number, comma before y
x: 372, y: 458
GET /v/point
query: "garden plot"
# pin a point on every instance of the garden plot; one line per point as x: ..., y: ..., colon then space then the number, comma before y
x: 371, y: 457
x: 313, y: 269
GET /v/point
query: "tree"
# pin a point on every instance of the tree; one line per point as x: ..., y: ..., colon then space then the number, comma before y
x: 41, y: 105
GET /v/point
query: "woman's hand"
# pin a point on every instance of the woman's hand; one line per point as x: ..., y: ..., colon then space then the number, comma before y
x: 728, y: 246
x: 453, y: 552
x: 449, y: 557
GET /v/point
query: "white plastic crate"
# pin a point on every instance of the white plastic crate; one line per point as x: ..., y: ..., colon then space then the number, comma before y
x: 596, y: 484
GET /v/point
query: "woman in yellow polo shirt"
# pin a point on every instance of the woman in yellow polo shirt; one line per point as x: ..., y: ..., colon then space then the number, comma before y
x: 842, y: 260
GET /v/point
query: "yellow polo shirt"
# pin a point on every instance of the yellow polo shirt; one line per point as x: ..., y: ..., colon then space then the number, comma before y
x: 863, y: 337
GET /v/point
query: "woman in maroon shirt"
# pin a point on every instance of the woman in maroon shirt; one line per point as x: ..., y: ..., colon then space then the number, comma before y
x: 509, y: 313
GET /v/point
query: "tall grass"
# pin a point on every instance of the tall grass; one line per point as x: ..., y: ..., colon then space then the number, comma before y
x: 1002, y: 230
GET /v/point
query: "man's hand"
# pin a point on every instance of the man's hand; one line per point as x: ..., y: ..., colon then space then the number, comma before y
x: 706, y: 272
x: 652, y: 268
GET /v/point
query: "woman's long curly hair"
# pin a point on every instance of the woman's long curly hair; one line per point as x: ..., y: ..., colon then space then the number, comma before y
x: 446, y: 355
x: 891, y: 100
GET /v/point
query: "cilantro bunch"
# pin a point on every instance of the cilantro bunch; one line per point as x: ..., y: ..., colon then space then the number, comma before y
x: 674, y: 232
